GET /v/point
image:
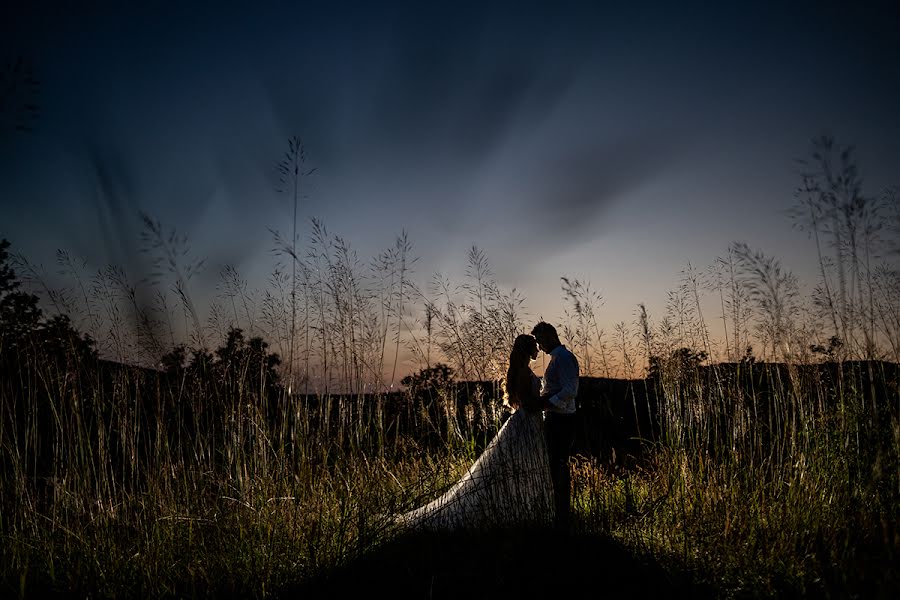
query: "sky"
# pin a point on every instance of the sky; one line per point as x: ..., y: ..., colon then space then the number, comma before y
x: 610, y: 142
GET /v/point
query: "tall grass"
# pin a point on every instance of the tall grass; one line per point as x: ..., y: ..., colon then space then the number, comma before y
x: 796, y: 491
x: 122, y: 482
x: 769, y: 477
x: 135, y: 474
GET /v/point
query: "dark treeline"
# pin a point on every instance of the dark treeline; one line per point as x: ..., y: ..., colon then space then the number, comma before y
x: 191, y: 408
x: 622, y: 418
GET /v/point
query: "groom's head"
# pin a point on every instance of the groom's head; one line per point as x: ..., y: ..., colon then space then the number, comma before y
x: 546, y: 336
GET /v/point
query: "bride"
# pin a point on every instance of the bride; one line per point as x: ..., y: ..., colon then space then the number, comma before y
x: 510, y: 482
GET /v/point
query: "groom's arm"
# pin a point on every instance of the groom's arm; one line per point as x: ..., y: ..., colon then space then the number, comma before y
x: 567, y: 373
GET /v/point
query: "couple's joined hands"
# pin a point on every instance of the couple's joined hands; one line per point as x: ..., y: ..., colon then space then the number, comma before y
x: 541, y: 403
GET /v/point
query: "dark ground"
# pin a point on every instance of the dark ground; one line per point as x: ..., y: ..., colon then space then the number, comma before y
x: 502, y: 565
x: 490, y: 565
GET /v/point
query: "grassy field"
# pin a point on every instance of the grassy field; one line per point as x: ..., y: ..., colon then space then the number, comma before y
x: 138, y: 504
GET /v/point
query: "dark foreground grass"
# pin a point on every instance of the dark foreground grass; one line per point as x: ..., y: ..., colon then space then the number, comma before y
x: 490, y: 564
x: 487, y: 564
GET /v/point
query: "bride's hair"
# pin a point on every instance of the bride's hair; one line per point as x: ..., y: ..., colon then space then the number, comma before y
x: 522, y: 351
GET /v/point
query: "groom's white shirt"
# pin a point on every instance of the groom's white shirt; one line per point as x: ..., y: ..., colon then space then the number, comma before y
x: 561, y: 381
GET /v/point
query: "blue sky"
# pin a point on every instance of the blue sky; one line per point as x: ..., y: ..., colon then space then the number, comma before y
x: 614, y: 143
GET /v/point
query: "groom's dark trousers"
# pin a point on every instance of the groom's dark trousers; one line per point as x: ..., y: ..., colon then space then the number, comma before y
x: 559, y: 431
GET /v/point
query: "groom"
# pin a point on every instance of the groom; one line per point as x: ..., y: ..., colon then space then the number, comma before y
x: 559, y: 387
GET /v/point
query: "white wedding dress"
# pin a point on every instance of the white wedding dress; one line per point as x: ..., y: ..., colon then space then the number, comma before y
x: 508, y: 484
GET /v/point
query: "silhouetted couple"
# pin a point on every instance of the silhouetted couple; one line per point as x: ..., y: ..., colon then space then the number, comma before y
x: 523, y: 474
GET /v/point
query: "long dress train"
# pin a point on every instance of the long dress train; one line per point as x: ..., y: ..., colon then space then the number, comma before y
x: 508, y: 484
